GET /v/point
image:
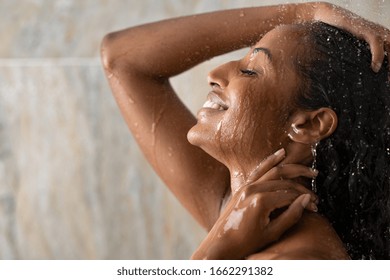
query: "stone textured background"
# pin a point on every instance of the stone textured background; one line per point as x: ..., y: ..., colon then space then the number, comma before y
x: 73, y: 184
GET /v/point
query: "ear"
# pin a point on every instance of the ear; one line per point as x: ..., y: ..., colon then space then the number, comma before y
x: 309, y: 127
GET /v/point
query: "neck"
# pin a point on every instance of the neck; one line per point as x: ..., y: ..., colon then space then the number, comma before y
x: 295, y: 154
x: 238, y: 178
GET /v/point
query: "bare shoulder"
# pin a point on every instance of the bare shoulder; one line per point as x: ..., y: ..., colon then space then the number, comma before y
x: 313, y: 238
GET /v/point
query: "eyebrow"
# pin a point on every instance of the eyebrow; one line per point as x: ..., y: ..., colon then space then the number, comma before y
x: 267, y: 52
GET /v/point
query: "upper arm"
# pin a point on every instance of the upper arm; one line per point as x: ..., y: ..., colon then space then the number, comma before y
x: 159, y: 122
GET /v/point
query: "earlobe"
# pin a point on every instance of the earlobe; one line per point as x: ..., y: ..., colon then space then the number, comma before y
x: 309, y: 127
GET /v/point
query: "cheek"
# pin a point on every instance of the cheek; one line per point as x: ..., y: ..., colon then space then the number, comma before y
x: 255, y: 123
x: 241, y: 125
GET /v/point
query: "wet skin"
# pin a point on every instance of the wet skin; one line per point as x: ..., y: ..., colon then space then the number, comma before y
x: 248, y: 115
x: 256, y: 94
x: 139, y: 62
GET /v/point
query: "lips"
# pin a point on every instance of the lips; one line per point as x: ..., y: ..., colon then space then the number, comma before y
x: 215, y: 102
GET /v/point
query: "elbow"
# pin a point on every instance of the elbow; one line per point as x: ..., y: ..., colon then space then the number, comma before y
x: 121, y: 52
x: 107, y: 51
x: 116, y: 55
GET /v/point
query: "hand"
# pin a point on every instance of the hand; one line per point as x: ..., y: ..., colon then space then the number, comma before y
x: 377, y: 36
x: 246, y: 225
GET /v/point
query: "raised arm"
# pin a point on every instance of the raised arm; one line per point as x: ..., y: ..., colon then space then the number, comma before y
x: 139, y: 62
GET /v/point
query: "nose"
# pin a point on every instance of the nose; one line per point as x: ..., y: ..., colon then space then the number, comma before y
x: 219, y: 77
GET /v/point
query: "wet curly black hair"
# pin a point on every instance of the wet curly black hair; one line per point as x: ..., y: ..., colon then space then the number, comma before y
x: 354, y: 180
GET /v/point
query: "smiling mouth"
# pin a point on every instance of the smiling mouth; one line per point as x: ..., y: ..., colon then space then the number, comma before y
x: 212, y: 105
x: 215, y: 102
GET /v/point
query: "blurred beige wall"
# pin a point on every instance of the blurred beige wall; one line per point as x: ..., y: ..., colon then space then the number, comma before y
x: 73, y: 184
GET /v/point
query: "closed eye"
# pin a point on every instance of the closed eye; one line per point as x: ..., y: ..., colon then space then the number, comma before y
x: 248, y: 72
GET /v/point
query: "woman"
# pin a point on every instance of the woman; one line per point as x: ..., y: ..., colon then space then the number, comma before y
x: 249, y: 197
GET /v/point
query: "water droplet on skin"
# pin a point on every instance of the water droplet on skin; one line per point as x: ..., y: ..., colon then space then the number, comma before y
x: 314, y: 166
x: 254, y: 202
x: 242, y: 14
x: 219, y: 126
x: 234, y: 220
x: 295, y: 129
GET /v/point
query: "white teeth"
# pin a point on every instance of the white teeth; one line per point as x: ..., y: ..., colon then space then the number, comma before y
x: 212, y: 105
x: 215, y: 106
x: 207, y: 104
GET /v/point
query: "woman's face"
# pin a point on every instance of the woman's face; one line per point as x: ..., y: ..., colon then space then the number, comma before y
x: 246, y: 113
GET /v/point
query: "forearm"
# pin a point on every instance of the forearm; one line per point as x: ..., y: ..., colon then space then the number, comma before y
x: 167, y: 48
x: 215, y: 247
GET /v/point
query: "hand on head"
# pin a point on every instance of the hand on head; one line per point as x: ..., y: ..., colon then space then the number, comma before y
x: 377, y: 36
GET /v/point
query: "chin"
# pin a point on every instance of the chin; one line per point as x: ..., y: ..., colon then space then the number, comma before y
x: 195, y: 136
x: 200, y: 137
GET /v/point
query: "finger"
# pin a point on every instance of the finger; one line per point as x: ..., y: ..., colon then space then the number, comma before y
x: 266, y: 165
x: 269, y: 202
x: 280, y: 186
x: 313, y: 197
x: 377, y: 50
x: 289, y: 217
x: 288, y: 171
x: 276, y: 200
